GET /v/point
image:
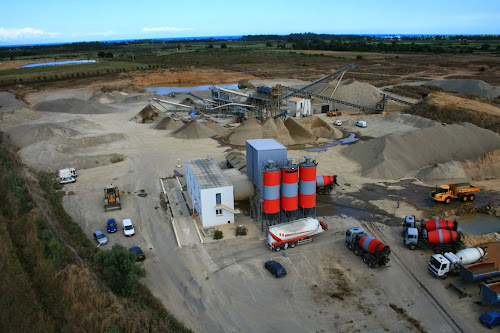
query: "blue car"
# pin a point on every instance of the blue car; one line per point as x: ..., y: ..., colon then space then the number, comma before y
x: 275, y: 268
x: 490, y: 319
x: 111, y: 225
x: 139, y: 255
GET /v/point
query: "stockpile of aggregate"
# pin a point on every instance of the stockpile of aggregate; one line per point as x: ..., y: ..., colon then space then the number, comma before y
x: 168, y: 124
x: 28, y: 134
x: 9, y: 102
x: 74, y: 106
x: 17, y: 117
x: 353, y: 91
x: 214, y: 126
x: 147, y: 115
x: 277, y: 130
x: 299, y: 133
x: 466, y: 86
x: 194, y: 130
x: 394, y: 156
x: 251, y: 129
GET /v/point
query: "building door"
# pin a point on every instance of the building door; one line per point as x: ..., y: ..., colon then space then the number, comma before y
x: 218, y: 200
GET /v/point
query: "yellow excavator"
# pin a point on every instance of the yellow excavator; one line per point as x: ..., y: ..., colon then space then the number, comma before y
x: 111, y: 198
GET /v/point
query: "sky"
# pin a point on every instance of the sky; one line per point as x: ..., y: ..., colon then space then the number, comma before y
x: 55, y: 21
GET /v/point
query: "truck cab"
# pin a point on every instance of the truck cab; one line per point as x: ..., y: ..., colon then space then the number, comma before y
x: 409, y: 222
x: 352, y: 235
x: 411, y: 238
x: 439, y: 266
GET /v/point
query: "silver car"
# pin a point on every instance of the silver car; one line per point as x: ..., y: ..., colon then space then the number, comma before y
x: 100, y: 237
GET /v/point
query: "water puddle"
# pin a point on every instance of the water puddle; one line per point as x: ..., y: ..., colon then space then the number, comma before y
x: 478, y: 224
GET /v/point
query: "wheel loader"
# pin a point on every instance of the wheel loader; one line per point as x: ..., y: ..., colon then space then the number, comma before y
x: 111, y: 198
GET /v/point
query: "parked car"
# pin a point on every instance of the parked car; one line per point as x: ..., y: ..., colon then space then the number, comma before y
x: 337, y: 122
x: 67, y: 180
x: 100, y: 237
x: 111, y: 224
x: 139, y: 255
x: 361, y: 123
x: 490, y: 319
x: 276, y: 269
x: 128, y: 227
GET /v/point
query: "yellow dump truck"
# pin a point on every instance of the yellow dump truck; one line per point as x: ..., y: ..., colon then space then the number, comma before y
x: 463, y: 192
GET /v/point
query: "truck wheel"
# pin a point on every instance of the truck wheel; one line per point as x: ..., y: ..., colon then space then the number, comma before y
x: 412, y: 246
x: 371, y: 264
x: 349, y: 246
x: 444, y: 276
x: 293, y: 244
x: 277, y: 248
x: 472, y: 197
x: 356, y: 252
x: 365, y: 260
x: 464, y: 198
x: 447, y: 200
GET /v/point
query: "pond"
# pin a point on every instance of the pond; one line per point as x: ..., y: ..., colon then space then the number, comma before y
x: 478, y: 224
x: 66, y: 62
x: 178, y: 89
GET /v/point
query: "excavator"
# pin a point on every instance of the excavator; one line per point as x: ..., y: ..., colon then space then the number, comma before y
x: 111, y: 198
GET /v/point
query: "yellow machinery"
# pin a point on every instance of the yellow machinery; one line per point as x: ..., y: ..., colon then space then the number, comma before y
x: 111, y: 198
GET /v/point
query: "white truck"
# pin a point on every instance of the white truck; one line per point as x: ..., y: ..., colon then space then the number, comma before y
x: 441, y: 265
x: 66, y: 173
x: 282, y: 236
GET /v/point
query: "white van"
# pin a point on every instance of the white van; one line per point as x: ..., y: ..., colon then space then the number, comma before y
x: 361, y: 123
x: 128, y: 228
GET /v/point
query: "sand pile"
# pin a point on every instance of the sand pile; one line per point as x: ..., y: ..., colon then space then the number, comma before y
x: 193, y: 130
x: 17, y: 117
x: 466, y: 86
x: 147, y: 115
x: 25, y: 135
x: 52, y: 95
x: 74, y: 106
x: 486, y: 167
x: 168, y: 124
x: 453, y: 171
x: 293, y: 131
x: 214, y: 126
x: 106, y: 97
x: 9, y: 102
x: 394, y: 156
x: 353, y: 91
x: 138, y: 97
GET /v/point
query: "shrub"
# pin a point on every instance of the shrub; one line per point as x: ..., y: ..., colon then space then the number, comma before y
x: 359, y: 57
x: 241, y: 230
x: 218, y: 234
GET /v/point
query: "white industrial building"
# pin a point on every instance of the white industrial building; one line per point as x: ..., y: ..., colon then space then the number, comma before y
x: 210, y: 191
x: 299, y: 107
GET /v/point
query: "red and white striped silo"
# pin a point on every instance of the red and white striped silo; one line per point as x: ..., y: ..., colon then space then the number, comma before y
x: 307, y: 187
x: 271, y: 191
x: 290, y: 190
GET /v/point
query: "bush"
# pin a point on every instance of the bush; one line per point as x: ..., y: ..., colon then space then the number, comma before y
x: 218, y: 234
x: 359, y: 57
x: 241, y: 230
x: 120, y: 267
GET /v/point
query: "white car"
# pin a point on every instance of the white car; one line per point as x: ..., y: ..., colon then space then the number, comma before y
x: 337, y: 122
x: 128, y: 228
x: 67, y: 180
x: 361, y: 123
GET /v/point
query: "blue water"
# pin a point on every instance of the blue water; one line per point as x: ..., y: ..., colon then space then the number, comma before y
x: 169, y: 90
x: 478, y: 224
x: 58, y: 63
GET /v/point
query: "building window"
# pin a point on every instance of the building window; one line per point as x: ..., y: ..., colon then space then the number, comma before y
x: 218, y: 199
x: 218, y: 212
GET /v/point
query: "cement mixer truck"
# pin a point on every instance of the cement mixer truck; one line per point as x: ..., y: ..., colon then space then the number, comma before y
x: 374, y: 252
x: 441, y: 265
x: 440, y: 240
x: 285, y: 235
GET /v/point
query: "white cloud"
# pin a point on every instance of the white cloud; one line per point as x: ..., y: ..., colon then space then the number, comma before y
x: 163, y: 29
x: 21, y: 33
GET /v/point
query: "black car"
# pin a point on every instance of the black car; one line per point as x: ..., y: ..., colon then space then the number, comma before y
x: 275, y: 268
x: 139, y: 255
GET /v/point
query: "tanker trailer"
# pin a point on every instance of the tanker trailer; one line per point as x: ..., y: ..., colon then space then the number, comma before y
x: 437, y: 224
x: 282, y: 236
x: 374, y: 252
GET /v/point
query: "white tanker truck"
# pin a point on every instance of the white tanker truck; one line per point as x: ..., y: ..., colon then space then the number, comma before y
x: 282, y: 236
x: 441, y: 265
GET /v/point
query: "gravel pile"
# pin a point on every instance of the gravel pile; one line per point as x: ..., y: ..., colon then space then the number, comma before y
x: 9, y: 102
x: 17, y: 117
x: 25, y: 135
x: 147, y: 115
x: 74, y: 106
x: 168, y: 124
x: 394, y: 156
x: 194, y: 130
x: 465, y: 86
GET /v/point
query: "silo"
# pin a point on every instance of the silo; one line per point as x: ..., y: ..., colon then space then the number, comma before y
x: 271, y: 192
x: 307, y: 187
x: 290, y: 190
